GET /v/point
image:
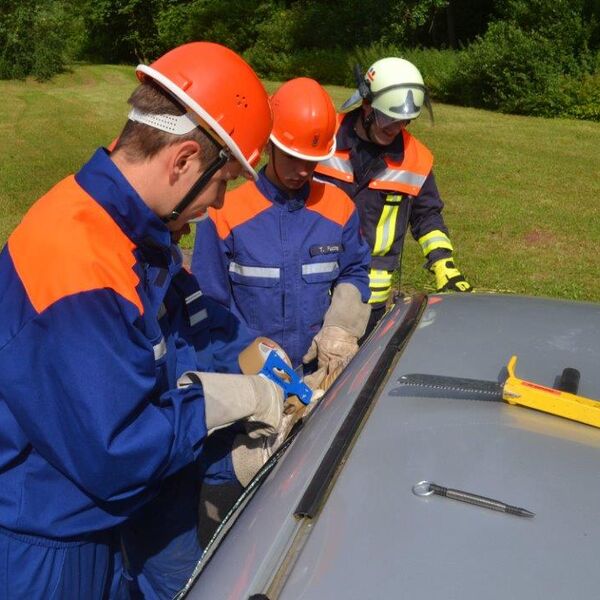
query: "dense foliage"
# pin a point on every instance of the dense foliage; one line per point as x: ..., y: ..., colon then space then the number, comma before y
x: 538, y: 57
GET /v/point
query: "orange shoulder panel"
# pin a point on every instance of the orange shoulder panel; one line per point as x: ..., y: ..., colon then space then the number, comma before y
x: 241, y: 205
x: 417, y: 157
x: 330, y: 202
x: 67, y: 244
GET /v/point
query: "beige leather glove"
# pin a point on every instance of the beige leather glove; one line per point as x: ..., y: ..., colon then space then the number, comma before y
x: 333, y: 347
x: 253, y: 399
x: 249, y: 455
x: 344, y: 324
x: 313, y: 380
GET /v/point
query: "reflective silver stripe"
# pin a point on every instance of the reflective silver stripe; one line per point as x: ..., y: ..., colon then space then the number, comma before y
x: 339, y: 164
x: 269, y: 272
x: 440, y: 241
x: 379, y: 278
x: 160, y: 349
x: 197, y: 317
x: 380, y: 283
x: 379, y: 296
x: 402, y: 176
x: 189, y: 299
x: 162, y: 311
x: 376, y: 283
x: 324, y: 267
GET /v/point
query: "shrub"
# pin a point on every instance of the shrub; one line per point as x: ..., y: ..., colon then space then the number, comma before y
x: 438, y: 67
x: 326, y: 66
x: 508, y: 70
x: 584, y: 97
x: 37, y: 37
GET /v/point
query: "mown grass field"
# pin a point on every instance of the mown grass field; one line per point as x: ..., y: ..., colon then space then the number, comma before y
x: 522, y: 194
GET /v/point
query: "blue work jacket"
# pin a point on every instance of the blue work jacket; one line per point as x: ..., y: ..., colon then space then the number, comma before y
x: 98, y: 322
x: 275, y: 258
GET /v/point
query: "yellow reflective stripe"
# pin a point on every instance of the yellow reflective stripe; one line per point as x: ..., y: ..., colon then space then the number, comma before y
x: 378, y: 277
x: 386, y: 227
x: 378, y: 297
x: 380, y: 283
x: 434, y: 240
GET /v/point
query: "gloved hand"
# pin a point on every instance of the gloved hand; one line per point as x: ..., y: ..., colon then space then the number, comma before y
x: 253, y: 399
x: 314, y: 380
x: 448, y: 277
x: 344, y: 323
x: 249, y: 455
x: 333, y: 347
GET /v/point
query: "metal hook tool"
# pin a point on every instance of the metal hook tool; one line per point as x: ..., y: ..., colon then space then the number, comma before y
x: 427, y: 488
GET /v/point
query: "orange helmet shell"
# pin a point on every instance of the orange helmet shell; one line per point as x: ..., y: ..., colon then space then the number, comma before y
x: 222, y: 91
x: 304, y: 120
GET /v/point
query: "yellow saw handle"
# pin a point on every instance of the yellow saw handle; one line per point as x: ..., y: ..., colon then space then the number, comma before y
x: 526, y: 393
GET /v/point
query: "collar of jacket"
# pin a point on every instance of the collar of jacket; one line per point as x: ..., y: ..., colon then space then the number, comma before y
x: 103, y: 181
x: 291, y: 201
x: 347, y: 139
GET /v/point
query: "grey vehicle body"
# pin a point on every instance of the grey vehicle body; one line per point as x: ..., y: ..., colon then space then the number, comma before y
x: 335, y: 516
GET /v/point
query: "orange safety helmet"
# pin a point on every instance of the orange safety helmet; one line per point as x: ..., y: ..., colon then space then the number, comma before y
x: 222, y: 94
x: 304, y: 120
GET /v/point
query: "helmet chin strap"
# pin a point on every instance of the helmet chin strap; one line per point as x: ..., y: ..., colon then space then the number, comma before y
x: 200, y: 184
x: 367, y: 123
x: 273, y: 162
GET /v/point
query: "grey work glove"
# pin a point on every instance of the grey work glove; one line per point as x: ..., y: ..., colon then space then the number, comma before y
x: 252, y: 399
x: 344, y: 324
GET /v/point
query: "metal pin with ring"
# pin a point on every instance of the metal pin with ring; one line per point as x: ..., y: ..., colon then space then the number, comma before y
x: 427, y: 488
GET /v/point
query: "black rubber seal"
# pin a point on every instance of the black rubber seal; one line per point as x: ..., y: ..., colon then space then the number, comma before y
x: 319, y: 485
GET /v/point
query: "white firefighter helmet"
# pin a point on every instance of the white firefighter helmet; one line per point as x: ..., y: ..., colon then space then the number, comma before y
x: 394, y: 87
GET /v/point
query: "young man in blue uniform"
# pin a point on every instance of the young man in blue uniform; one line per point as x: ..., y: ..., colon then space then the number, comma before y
x: 100, y: 418
x: 388, y: 173
x: 285, y: 253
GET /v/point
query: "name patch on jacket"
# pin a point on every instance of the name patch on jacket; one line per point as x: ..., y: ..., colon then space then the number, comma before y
x: 326, y: 249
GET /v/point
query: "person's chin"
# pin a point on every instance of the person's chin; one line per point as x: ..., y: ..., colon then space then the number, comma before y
x: 384, y: 139
x: 295, y: 184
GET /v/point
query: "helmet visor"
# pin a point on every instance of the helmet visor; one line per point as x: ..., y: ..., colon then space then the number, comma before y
x: 401, y: 101
x: 384, y: 121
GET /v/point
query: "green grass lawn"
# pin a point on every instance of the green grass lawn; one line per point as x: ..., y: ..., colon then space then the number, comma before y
x: 522, y: 194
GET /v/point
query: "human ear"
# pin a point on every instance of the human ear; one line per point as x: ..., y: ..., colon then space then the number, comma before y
x: 184, y: 156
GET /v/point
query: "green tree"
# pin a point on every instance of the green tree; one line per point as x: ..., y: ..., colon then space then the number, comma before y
x: 227, y: 22
x: 536, y: 58
x: 121, y: 30
x: 37, y: 37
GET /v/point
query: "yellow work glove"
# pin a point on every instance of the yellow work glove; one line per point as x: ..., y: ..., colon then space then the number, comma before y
x: 448, y: 278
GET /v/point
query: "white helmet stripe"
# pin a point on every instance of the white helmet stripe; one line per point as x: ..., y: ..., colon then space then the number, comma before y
x: 296, y: 154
